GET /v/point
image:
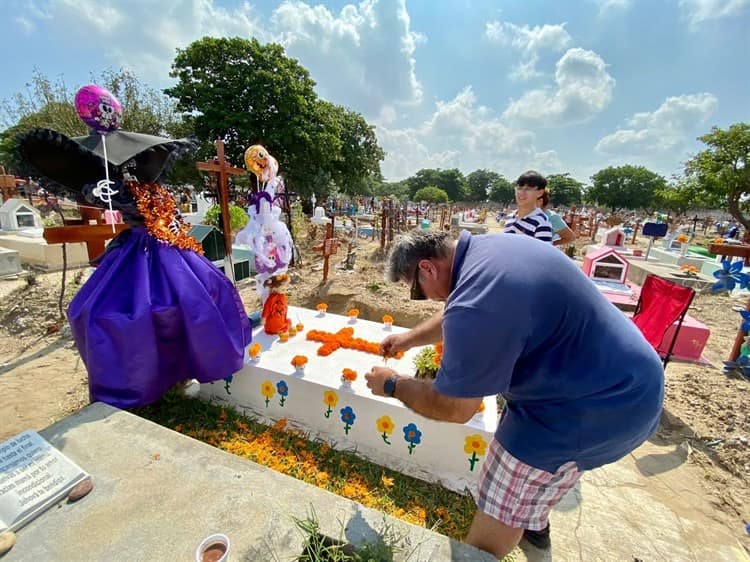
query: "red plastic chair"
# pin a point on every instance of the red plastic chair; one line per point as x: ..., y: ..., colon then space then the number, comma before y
x: 661, y: 304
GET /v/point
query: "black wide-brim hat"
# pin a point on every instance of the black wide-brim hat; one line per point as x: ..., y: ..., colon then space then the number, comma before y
x: 70, y: 163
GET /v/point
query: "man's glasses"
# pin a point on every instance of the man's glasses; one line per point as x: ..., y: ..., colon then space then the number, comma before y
x: 526, y: 188
x: 416, y: 293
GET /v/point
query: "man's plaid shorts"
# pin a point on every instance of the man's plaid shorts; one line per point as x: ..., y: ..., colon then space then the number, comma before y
x: 519, y: 495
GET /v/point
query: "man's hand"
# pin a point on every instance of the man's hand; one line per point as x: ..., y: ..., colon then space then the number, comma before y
x: 394, y: 343
x: 376, y: 379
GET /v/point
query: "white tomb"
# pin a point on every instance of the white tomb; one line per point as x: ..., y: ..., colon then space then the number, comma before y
x: 202, y: 206
x: 16, y: 214
x: 319, y: 216
x: 380, y: 429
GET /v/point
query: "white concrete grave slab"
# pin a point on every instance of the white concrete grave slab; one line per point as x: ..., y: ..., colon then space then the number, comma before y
x: 351, y: 417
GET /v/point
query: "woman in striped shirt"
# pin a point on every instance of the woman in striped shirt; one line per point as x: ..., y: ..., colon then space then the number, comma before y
x: 529, y: 219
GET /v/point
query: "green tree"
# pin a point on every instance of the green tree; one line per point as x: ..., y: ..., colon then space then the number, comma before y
x: 625, y: 187
x: 565, y: 191
x: 721, y: 170
x: 431, y: 194
x: 479, y: 183
x: 502, y: 191
x: 451, y: 181
x: 247, y: 93
x: 680, y: 197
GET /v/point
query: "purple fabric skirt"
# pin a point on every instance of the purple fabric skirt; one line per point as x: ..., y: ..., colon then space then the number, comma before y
x: 152, y: 315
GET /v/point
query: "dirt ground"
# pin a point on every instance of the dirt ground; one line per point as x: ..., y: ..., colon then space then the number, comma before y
x: 707, y: 413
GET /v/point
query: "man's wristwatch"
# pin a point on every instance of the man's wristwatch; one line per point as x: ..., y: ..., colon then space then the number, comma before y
x: 389, y: 386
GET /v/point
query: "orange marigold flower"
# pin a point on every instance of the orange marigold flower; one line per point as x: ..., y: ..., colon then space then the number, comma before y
x: 682, y: 238
x: 322, y: 306
x: 353, y: 313
x: 292, y: 331
x: 349, y: 375
x: 387, y: 319
x: 299, y: 361
x: 254, y: 350
x: 399, y: 354
x: 283, y: 336
x: 300, y: 327
x: 481, y: 406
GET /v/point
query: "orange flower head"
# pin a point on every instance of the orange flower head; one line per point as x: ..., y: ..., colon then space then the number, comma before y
x: 353, y: 313
x: 283, y: 336
x: 349, y: 375
x: 481, y: 407
x: 254, y: 350
x: 300, y: 327
x: 387, y: 319
x: 299, y: 361
x: 322, y: 306
x: 292, y: 331
x: 682, y: 238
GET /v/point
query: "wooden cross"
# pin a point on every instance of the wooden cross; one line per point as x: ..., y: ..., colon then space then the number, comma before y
x: 93, y: 235
x: 329, y: 247
x: 222, y: 170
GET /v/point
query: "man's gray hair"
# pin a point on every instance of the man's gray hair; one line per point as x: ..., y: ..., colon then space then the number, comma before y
x: 412, y: 247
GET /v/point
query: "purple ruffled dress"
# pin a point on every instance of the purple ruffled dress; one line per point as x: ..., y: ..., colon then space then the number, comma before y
x: 152, y: 315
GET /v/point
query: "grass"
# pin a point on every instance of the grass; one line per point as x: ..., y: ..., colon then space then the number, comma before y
x: 343, y: 473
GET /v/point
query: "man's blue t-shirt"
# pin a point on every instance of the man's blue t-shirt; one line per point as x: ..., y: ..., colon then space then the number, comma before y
x: 522, y: 320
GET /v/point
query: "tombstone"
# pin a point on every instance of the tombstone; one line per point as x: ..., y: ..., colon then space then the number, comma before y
x: 16, y: 214
x: 605, y: 264
x: 202, y: 205
x: 614, y: 238
x: 319, y: 216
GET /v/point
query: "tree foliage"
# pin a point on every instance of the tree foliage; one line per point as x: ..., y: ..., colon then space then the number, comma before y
x: 565, y: 191
x: 431, y: 194
x: 451, y: 181
x: 247, y: 93
x: 678, y: 198
x: 502, y: 191
x: 480, y: 183
x: 721, y: 170
x: 625, y: 187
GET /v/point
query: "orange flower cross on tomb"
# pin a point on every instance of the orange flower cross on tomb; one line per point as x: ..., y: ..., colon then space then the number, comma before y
x: 344, y: 338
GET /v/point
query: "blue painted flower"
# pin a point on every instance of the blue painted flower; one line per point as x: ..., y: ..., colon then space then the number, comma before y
x: 745, y: 320
x: 348, y: 416
x: 282, y: 388
x: 729, y: 276
x: 412, y: 435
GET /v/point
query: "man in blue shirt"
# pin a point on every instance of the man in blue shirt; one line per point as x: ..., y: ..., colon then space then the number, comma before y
x: 583, y: 387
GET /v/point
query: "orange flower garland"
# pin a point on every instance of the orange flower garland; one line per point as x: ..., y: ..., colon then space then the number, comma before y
x: 349, y: 375
x: 344, y: 338
x: 160, y: 216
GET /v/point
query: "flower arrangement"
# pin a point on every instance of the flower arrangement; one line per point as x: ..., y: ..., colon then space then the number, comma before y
x: 353, y: 314
x: 284, y: 336
x: 349, y: 375
x: 254, y: 350
x: 300, y: 326
x: 438, y: 353
x: 292, y: 331
x: 689, y: 270
x: 299, y: 362
x: 322, y: 308
x: 344, y: 338
x: 388, y: 320
x: 682, y: 239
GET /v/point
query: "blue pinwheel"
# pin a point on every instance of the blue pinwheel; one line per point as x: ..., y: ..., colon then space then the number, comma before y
x: 729, y: 276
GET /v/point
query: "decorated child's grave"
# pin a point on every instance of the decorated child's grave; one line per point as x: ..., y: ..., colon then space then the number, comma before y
x: 312, y: 376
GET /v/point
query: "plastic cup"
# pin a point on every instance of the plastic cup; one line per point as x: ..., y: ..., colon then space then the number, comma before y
x: 214, y: 548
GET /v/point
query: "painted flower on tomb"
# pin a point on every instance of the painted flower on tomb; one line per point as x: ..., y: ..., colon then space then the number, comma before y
x: 348, y: 416
x: 475, y: 446
x: 267, y: 390
x: 254, y: 350
x: 330, y: 399
x: 412, y: 436
x: 227, y: 382
x: 385, y: 427
x: 729, y: 276
x: 283, y: 390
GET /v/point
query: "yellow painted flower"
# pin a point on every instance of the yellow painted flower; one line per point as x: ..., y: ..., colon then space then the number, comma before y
x: 475, y: 444
x: 385, y: 425
x: 267, y: 389
x: 330, y: 398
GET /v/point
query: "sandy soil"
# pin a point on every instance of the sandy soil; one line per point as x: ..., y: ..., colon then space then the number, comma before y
x: 706, y: 412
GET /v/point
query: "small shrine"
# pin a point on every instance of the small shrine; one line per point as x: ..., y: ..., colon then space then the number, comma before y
x: 16, y: 214
x: 605, y: 264
x: 614, y: 238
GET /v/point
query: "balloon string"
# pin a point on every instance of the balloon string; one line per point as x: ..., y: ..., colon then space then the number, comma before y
x: 106, y: 176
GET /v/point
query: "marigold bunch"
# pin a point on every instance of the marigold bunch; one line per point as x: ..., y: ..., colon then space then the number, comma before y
x: 349, y: 375
x: 299, y: 361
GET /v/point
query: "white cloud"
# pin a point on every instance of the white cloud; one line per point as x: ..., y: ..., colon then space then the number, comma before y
x: 583, y: 90
x: 609, y: 6
x: 461, y: 134
x: 664, y: 131
x: 530, y: 41
x: 363, y: 55
x: 25, y: 23
x: 699, y: 11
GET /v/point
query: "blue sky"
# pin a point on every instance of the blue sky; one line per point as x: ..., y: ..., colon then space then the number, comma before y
x: 560, y: 86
